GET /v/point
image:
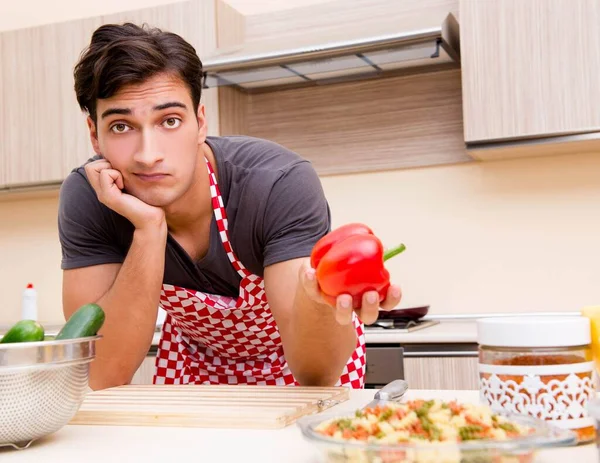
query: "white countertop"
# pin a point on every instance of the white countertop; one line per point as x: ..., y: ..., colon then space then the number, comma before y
x: 116, y: 444
x: 443, y: 332
x: 446, y: 331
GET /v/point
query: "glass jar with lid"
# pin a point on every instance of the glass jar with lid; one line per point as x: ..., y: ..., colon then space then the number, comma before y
x: 539, y: 366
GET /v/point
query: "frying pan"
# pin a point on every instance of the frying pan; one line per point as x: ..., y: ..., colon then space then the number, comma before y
x: 411, y: 313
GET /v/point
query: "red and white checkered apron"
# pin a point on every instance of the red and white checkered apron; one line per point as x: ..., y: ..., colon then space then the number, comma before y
x: 211, y: 339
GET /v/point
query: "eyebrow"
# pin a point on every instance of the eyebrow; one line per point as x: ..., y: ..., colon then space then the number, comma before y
x: 110, y: 111
x: 127, y: 111
x: 170, y: 104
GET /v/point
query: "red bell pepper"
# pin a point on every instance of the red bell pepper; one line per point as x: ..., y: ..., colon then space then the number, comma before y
x: 350, y: 260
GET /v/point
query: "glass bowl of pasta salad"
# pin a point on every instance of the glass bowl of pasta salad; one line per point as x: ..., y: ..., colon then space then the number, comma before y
x: 433, y: 431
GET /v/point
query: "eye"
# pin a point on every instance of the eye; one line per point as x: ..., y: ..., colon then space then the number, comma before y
x: 172, y: 122
x: 120, y: 128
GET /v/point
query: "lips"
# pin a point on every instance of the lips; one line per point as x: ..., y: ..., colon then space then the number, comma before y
x: 155, y: 177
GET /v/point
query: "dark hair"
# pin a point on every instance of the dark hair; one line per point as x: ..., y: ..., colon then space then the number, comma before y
x: 120, y: 55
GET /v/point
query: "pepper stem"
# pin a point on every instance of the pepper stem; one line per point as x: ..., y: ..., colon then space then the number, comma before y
x: 393, y: 252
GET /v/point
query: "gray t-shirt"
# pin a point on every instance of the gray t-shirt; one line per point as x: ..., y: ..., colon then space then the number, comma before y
x: 275, y: 206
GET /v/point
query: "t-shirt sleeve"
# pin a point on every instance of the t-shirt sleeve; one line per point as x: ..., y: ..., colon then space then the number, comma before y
x: 297, y: 215
x: 85, y: 228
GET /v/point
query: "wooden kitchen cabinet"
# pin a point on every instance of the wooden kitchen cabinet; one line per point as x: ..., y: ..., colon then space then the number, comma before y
x: 38, y: 117
x: 452, y: 373
x: 43, y: 131
x: 403, y: 122
x: 529, y: 70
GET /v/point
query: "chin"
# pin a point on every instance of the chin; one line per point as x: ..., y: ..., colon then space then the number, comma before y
x: 157, y: 198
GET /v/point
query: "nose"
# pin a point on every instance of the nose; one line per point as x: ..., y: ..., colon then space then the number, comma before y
x: 149, y: 152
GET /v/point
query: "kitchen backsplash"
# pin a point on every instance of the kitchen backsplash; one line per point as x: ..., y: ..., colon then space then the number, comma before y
x: 507, y: 236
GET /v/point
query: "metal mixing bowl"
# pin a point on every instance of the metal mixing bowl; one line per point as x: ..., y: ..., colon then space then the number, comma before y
x: 42, y: 385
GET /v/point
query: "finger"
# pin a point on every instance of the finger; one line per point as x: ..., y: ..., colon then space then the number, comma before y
x: 110, y: 177
x: 92, y: 171
x: 309, y: 281
x: 369, y: 310
x: 120, y: 182
x: 392, y: 299
x: 343, y: 309
x: 98, y: 166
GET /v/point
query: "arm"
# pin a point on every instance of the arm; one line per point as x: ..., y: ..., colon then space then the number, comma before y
x: 129, y: 291
x: 318, y: 339
x: 316, y: 346
x: 129, y: 294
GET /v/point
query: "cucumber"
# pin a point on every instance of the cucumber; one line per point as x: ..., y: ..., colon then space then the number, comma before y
x: 24, y: 331
x: 86, y: 321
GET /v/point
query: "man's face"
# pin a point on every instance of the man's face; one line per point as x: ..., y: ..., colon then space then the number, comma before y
x: 150, y: 133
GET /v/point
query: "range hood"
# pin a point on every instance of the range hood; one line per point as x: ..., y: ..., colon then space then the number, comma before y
x: 372, y: 56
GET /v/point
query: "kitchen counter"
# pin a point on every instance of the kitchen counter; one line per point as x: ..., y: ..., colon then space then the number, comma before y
x: 99, y: 444
x: 451, y: 329
x: 446, y: 331
x: 443, y: 332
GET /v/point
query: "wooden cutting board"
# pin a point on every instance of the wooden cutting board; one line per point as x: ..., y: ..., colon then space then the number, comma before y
x: 235, y: 406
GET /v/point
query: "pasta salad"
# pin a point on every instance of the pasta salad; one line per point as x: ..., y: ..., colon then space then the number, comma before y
x: 421, y: 422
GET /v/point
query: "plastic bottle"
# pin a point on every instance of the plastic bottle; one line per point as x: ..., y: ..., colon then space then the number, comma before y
x: 29, y: 303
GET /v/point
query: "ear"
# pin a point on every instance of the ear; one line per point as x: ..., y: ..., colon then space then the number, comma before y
x: 202, y: 125
x: 93, y: 135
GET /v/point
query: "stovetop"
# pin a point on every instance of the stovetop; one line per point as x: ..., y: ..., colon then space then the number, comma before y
x: 404, y: 326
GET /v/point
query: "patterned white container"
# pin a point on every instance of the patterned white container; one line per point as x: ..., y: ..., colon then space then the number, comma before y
x: 539, y: 366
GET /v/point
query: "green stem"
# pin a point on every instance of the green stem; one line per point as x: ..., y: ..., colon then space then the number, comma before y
x: 393, y: 252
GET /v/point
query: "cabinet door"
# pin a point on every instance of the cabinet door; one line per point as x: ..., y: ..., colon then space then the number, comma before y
x: 453, y: 373
x: 43, y: 131
x: 529, y: 68
x: 38, y: 104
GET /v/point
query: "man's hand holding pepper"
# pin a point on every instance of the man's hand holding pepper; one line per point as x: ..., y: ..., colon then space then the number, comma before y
x: 368, y: 312
x: 346, y: 271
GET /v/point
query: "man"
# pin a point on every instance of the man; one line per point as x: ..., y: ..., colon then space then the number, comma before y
x: 216, y: 230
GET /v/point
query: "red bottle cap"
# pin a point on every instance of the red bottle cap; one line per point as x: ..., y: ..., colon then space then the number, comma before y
x: 30, y: 286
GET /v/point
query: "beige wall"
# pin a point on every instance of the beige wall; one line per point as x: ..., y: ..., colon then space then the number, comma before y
x: 505, y: 236
x: 29, y: 252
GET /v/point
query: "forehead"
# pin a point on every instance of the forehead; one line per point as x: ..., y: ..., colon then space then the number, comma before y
x: 153, y: 91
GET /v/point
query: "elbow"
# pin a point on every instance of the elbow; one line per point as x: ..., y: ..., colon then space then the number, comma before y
x: 320, y: 371
x: 106, y: 383
x: 316, y: 380
x: 317, y: 375
x: 99, y: 381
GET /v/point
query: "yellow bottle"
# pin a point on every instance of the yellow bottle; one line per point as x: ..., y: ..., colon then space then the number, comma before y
x: 593, y: 313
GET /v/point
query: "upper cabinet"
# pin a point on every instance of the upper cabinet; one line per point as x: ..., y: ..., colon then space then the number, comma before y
x: 43, y: 133
x: 42, y: 128
x: 530, y: 75
x: 351, y: 85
